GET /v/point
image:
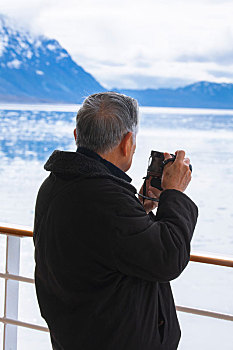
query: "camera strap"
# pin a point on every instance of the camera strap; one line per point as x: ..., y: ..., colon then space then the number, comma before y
x: 144, y: 196
x: 144, y: 187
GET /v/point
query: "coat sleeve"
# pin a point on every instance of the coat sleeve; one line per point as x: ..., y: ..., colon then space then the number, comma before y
x: 154, y: 247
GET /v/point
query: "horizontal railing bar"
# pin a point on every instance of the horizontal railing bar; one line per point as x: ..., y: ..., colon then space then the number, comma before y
x: 212, y: 259
x: 201, y: 312
x: 8, y: 276
x: 195, y: 257
x: 189, y: 310
x: 179, y: 308
x: 16, y: 231
x: 23, y: 324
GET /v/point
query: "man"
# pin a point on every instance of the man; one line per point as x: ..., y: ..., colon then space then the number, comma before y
x: 103, y: 260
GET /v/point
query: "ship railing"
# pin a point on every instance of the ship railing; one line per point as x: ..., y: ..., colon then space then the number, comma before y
x: 11, y: 297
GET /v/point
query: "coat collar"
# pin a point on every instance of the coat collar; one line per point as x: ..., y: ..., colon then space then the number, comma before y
x: 113, y: 168
x: 75, y: 164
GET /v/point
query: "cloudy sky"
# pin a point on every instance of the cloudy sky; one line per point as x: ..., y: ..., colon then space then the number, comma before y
x: 137, y: 44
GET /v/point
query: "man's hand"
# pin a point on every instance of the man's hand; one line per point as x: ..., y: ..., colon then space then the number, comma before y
x: 150, y: 192
x: 176, y: 175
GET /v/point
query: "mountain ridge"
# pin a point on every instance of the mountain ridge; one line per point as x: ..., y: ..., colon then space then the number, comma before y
x: 39, y: 69
x: 201, y: 94
x: 36, y: 69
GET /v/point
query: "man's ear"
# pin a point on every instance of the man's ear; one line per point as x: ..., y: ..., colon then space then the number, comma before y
x: 75, y: 134
x: 126, y: 144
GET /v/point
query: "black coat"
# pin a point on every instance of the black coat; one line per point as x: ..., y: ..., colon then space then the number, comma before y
x: 103, y: 265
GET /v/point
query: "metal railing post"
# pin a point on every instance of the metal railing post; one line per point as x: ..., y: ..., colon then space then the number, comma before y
x: 11, y: 292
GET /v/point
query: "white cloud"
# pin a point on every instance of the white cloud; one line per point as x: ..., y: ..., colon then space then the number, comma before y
x: 39, y: 72
x: 115, y: 41
x: 14, y: 64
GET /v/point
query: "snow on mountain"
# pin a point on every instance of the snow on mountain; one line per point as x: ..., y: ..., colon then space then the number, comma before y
x: 202, y: 94
x: 39, y: 69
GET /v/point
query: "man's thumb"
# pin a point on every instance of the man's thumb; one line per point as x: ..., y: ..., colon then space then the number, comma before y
x: 167, y: 156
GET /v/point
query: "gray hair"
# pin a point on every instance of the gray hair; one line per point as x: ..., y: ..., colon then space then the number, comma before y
x: 104, y: 119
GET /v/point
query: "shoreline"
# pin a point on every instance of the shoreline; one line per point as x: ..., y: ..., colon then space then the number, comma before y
x: 144, y: 109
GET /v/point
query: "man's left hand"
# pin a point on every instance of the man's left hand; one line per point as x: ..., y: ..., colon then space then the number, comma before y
x: 150, y: 192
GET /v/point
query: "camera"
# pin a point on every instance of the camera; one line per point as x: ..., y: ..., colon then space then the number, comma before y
x: 154, y: 171
x: 155, y: 167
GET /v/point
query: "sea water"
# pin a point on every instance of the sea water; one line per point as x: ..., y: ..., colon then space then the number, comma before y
x: 29, y: 134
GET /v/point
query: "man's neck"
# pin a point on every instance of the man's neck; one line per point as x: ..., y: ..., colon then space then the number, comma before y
x: 114, y: 169
x: 113, y: 157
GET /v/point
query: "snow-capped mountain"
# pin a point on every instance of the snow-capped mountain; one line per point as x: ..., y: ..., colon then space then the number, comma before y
x: 202, y: 94
x: 39, y: 69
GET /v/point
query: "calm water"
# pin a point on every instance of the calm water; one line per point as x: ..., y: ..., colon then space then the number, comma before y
x: 28, y: 137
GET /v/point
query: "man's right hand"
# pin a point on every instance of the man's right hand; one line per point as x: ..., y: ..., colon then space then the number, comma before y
x: 176, y: 175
